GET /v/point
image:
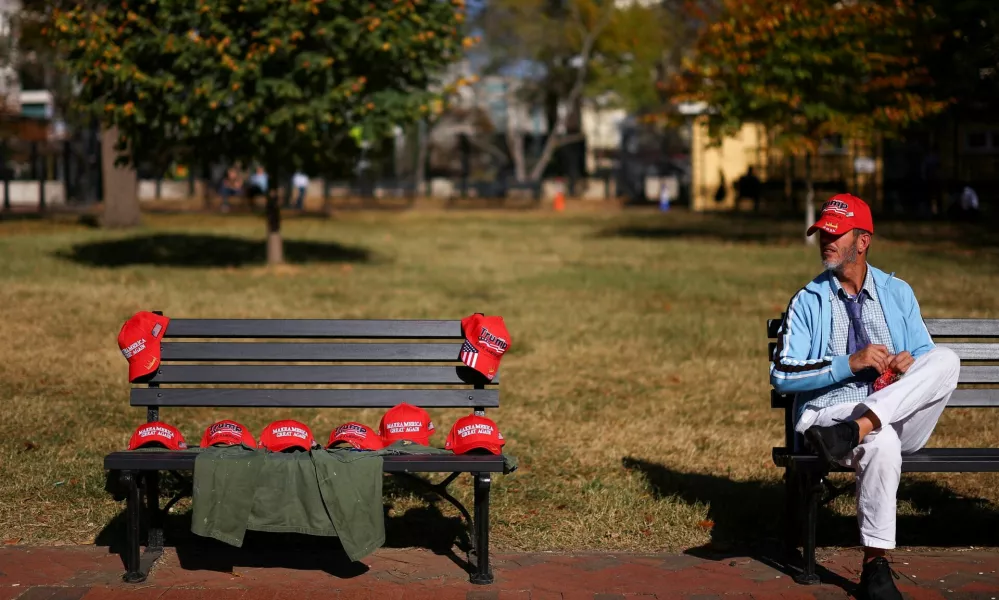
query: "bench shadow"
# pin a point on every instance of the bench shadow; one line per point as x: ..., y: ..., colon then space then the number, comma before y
x: 424, y: 527
x: 203, y: 250
x: 747, y: 517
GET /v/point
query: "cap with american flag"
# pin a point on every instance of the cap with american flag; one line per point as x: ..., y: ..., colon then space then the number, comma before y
x: 486, y: 340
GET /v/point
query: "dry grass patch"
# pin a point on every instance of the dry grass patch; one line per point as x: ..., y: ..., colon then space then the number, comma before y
x: 635, y: 395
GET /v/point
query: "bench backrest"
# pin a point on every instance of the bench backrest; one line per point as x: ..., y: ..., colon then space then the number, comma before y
x: 976, y: 341
x: 313, y: 363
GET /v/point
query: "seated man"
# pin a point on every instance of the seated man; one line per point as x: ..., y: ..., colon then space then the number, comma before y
x: 847, y: 333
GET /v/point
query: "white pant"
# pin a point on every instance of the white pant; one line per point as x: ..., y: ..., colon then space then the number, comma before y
x: 912, y: 406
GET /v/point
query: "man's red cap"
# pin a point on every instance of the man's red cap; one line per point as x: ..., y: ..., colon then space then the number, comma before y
x: 473, y: 431
x: 227, y: 433
x: 139, y: 340
x: 406, y: 422
x: 281, y: 435
x: 841, y: 213
x: 157, y: 434
x: 356, y: 434
x: 486, y: 339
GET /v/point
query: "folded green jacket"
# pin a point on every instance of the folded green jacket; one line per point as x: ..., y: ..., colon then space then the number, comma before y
x: 327, y: 493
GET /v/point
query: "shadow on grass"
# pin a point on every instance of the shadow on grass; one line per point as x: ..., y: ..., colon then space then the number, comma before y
x: 774, y: 229
x: 748, y: 517
x: 419, y: 527
x: 202, y: 250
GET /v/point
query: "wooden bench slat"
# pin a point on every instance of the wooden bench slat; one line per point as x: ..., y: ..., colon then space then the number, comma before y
x: 964, y: 351
x: 938, y: 328
x: 305, y: 352
x: 312, y: 328
x: 313, y: 398
x: 970, y: 328
x: 978, y: 375
x: 973, y: 351
x: 320, y: 374
x: 927, y: 460
x: 396, y: 463
x: 961, y: 398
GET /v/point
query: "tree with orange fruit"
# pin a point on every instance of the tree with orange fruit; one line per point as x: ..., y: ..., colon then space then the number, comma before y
x: 807, y: 69
x: 279, y: 83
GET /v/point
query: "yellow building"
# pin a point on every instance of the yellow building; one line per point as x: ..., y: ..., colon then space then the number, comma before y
x: 837, y: 167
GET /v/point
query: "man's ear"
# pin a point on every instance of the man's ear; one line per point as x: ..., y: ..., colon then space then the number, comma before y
x: 863, y: 242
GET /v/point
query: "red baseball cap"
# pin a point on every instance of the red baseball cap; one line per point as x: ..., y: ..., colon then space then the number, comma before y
x: 228, y: 433
x: 157, y: 434
x: 841, y: 213
x: 406, y: 422
x: 139, y: 340
x: 356, y: 434
x: 281, y: 435
x: 486, y: 339
x: 473, y: 431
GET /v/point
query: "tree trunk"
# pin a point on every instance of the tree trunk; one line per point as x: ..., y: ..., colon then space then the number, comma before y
x: 422, y: 150
x: 809, y: 199
x: 275, y: 245
x: 121, y: 197
x: 789, y: 182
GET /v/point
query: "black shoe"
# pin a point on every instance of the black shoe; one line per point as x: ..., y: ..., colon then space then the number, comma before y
x: 833, y: 443
x: 876, y: 581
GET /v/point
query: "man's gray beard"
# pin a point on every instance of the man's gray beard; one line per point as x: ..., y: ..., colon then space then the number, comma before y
x: 849, y: 259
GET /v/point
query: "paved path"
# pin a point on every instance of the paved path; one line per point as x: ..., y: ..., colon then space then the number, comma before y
x: 92, y: 573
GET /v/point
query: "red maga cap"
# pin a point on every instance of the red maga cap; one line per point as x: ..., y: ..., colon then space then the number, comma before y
x: 841, y: 213
x: 406, y: 422
x: 227, y: 433
x: 281, y: 435
x: 356, y: 434
x: 486, y: 340
x: 473, y: 431
x: 155, y: 434
x: 139, y: 340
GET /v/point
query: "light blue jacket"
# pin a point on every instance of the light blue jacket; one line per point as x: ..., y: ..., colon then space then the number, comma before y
x: 802, y: 366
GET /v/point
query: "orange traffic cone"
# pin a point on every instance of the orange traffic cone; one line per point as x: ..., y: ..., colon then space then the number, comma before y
x: 559, y: 203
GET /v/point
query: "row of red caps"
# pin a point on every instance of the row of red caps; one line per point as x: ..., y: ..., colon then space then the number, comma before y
x: 401, y: 422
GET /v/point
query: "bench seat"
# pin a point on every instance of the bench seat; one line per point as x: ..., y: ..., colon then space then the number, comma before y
x: 402, y: 463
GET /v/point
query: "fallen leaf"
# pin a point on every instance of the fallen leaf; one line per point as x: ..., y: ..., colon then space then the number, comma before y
x: 667, y: 307
x: 706, y: 524
x: 674, y: 379
x: 11, y: 541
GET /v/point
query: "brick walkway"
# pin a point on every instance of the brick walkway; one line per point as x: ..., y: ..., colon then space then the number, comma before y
x: 76, y: 572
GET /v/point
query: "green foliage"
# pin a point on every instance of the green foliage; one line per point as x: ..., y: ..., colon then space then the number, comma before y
x: 280, y: 82
x: 543, y: 38
x: 812, y: 68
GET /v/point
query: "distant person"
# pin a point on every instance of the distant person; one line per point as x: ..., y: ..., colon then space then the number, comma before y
x: 258, y: 186
x: 299, y: 181
x: 749, y: 186
x: 231, y: 185
x: 722, y: 191
x: 869, y: 383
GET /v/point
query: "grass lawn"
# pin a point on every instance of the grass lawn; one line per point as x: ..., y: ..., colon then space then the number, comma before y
x: 635, y: 393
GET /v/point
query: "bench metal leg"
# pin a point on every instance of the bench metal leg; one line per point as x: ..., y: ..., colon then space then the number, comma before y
x: 812, y: 491
x: 792, y: 512
x: 133, y: 523
x: 482, y: 574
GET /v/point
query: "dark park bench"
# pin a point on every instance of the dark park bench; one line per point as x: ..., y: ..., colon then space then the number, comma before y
x: 806, y: 476
x: 434, y: 378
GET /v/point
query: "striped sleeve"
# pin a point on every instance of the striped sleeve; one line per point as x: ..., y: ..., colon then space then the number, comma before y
x: 792, y: 370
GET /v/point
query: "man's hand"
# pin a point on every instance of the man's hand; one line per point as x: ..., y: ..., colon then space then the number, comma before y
x: 874, y: 356
x: 901, y: 362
